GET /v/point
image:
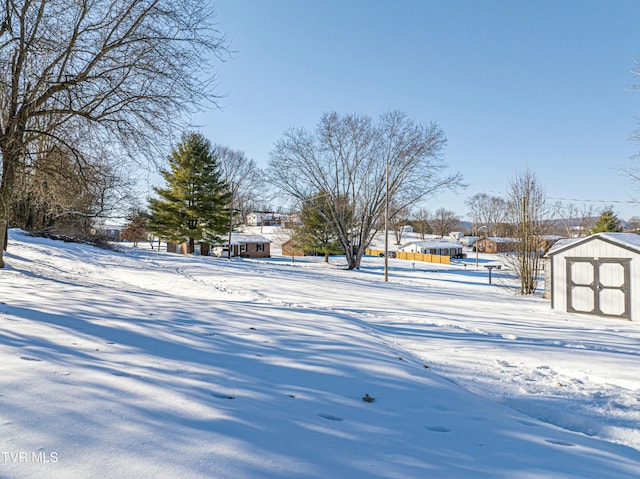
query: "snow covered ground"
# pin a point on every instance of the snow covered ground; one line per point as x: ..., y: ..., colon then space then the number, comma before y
x: 142, y: 364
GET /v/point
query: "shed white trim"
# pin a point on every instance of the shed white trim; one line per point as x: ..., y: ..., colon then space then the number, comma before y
x: 598, y: 275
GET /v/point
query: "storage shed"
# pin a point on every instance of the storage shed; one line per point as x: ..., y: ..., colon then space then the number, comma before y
x: 598, y: 275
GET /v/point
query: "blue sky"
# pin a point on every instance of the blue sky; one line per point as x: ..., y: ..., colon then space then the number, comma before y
x: 546, y: 85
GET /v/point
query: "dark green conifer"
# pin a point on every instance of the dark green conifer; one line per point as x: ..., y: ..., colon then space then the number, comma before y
x: 194, y: 206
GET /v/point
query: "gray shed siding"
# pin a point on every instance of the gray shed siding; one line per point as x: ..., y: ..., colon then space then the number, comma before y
x: 596, y: 273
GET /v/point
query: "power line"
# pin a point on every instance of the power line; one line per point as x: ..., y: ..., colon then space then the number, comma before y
x: 632, y: 202
x: 581, y: 200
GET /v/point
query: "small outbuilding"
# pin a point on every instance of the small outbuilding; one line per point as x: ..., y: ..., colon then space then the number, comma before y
x: 598, y: 275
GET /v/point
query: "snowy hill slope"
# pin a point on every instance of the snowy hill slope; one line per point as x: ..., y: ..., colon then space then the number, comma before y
x: 139, y: 365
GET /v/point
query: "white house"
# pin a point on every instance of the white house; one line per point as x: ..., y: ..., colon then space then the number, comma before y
x: 111, y: 232
x: 598, y: 275
x: 439, y: 247
x: 263, y: 218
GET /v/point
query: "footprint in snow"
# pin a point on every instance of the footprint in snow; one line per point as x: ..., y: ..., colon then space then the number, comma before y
x: 559, y: 443
x: 330, y: 417
x: 124, y: 374
x: 438, y: 429
x: 29, y: 358
x: 222, y: 396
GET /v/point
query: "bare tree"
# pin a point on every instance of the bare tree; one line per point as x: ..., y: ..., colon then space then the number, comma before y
x: 530, y: 213
x: 633, y: 224
x: 444, y: 222
x: 56, y: 194
x: 398, y: 219
x: 242, y: 178
x: 421, y: 222
x: 136, y: 228
x: 347, y: 158
x: 575, y: 221
x: 118, y: 74
x: 489, y: 211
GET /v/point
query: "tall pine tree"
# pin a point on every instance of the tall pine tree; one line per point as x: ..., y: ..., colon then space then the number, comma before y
x: 195, y: 204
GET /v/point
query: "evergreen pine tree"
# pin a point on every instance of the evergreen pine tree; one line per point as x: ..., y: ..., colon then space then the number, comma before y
x: 608, y: 222
x: 194, y: 206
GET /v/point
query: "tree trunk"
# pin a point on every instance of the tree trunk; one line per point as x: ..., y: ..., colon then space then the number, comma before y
x: 350, y: 257
x: 4, y: 226
x: 9, y: 161
x: 231, y: 224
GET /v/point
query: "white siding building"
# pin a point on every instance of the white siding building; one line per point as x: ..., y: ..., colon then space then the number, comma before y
x: 438, y: 247
x: 598, y: 275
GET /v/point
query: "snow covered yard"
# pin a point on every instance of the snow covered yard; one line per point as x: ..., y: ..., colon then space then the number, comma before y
x: 140, y: 364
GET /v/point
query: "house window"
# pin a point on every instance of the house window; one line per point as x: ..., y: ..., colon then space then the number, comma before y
x: 260, y: 247
x: 243, y: 248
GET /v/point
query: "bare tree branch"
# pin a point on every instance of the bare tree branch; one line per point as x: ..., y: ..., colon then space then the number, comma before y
x: 124, y: 72
x: 345, y: 160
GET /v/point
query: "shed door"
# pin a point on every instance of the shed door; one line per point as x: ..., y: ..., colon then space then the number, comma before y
x: 598, y: 286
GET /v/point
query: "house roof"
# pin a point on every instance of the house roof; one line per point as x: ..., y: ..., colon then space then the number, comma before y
x: 238, y: 238
x: 626, y: 240
x: 433, y: 244
x: 552, y: 237
x: 243, y: 238
x: 500, y: 240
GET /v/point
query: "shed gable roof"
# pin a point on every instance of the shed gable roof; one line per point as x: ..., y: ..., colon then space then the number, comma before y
x: 630, y: 241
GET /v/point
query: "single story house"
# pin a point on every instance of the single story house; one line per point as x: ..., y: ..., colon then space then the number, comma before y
x: 598, y: 275
x: 242, y: 244
x: 496, y: 245
x: 264, y: 218
x: 437, y: 247
x: 110, y: 232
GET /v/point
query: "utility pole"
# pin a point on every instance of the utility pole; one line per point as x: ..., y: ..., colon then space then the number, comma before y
x: 476, y: 242
x: 386, y: 225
